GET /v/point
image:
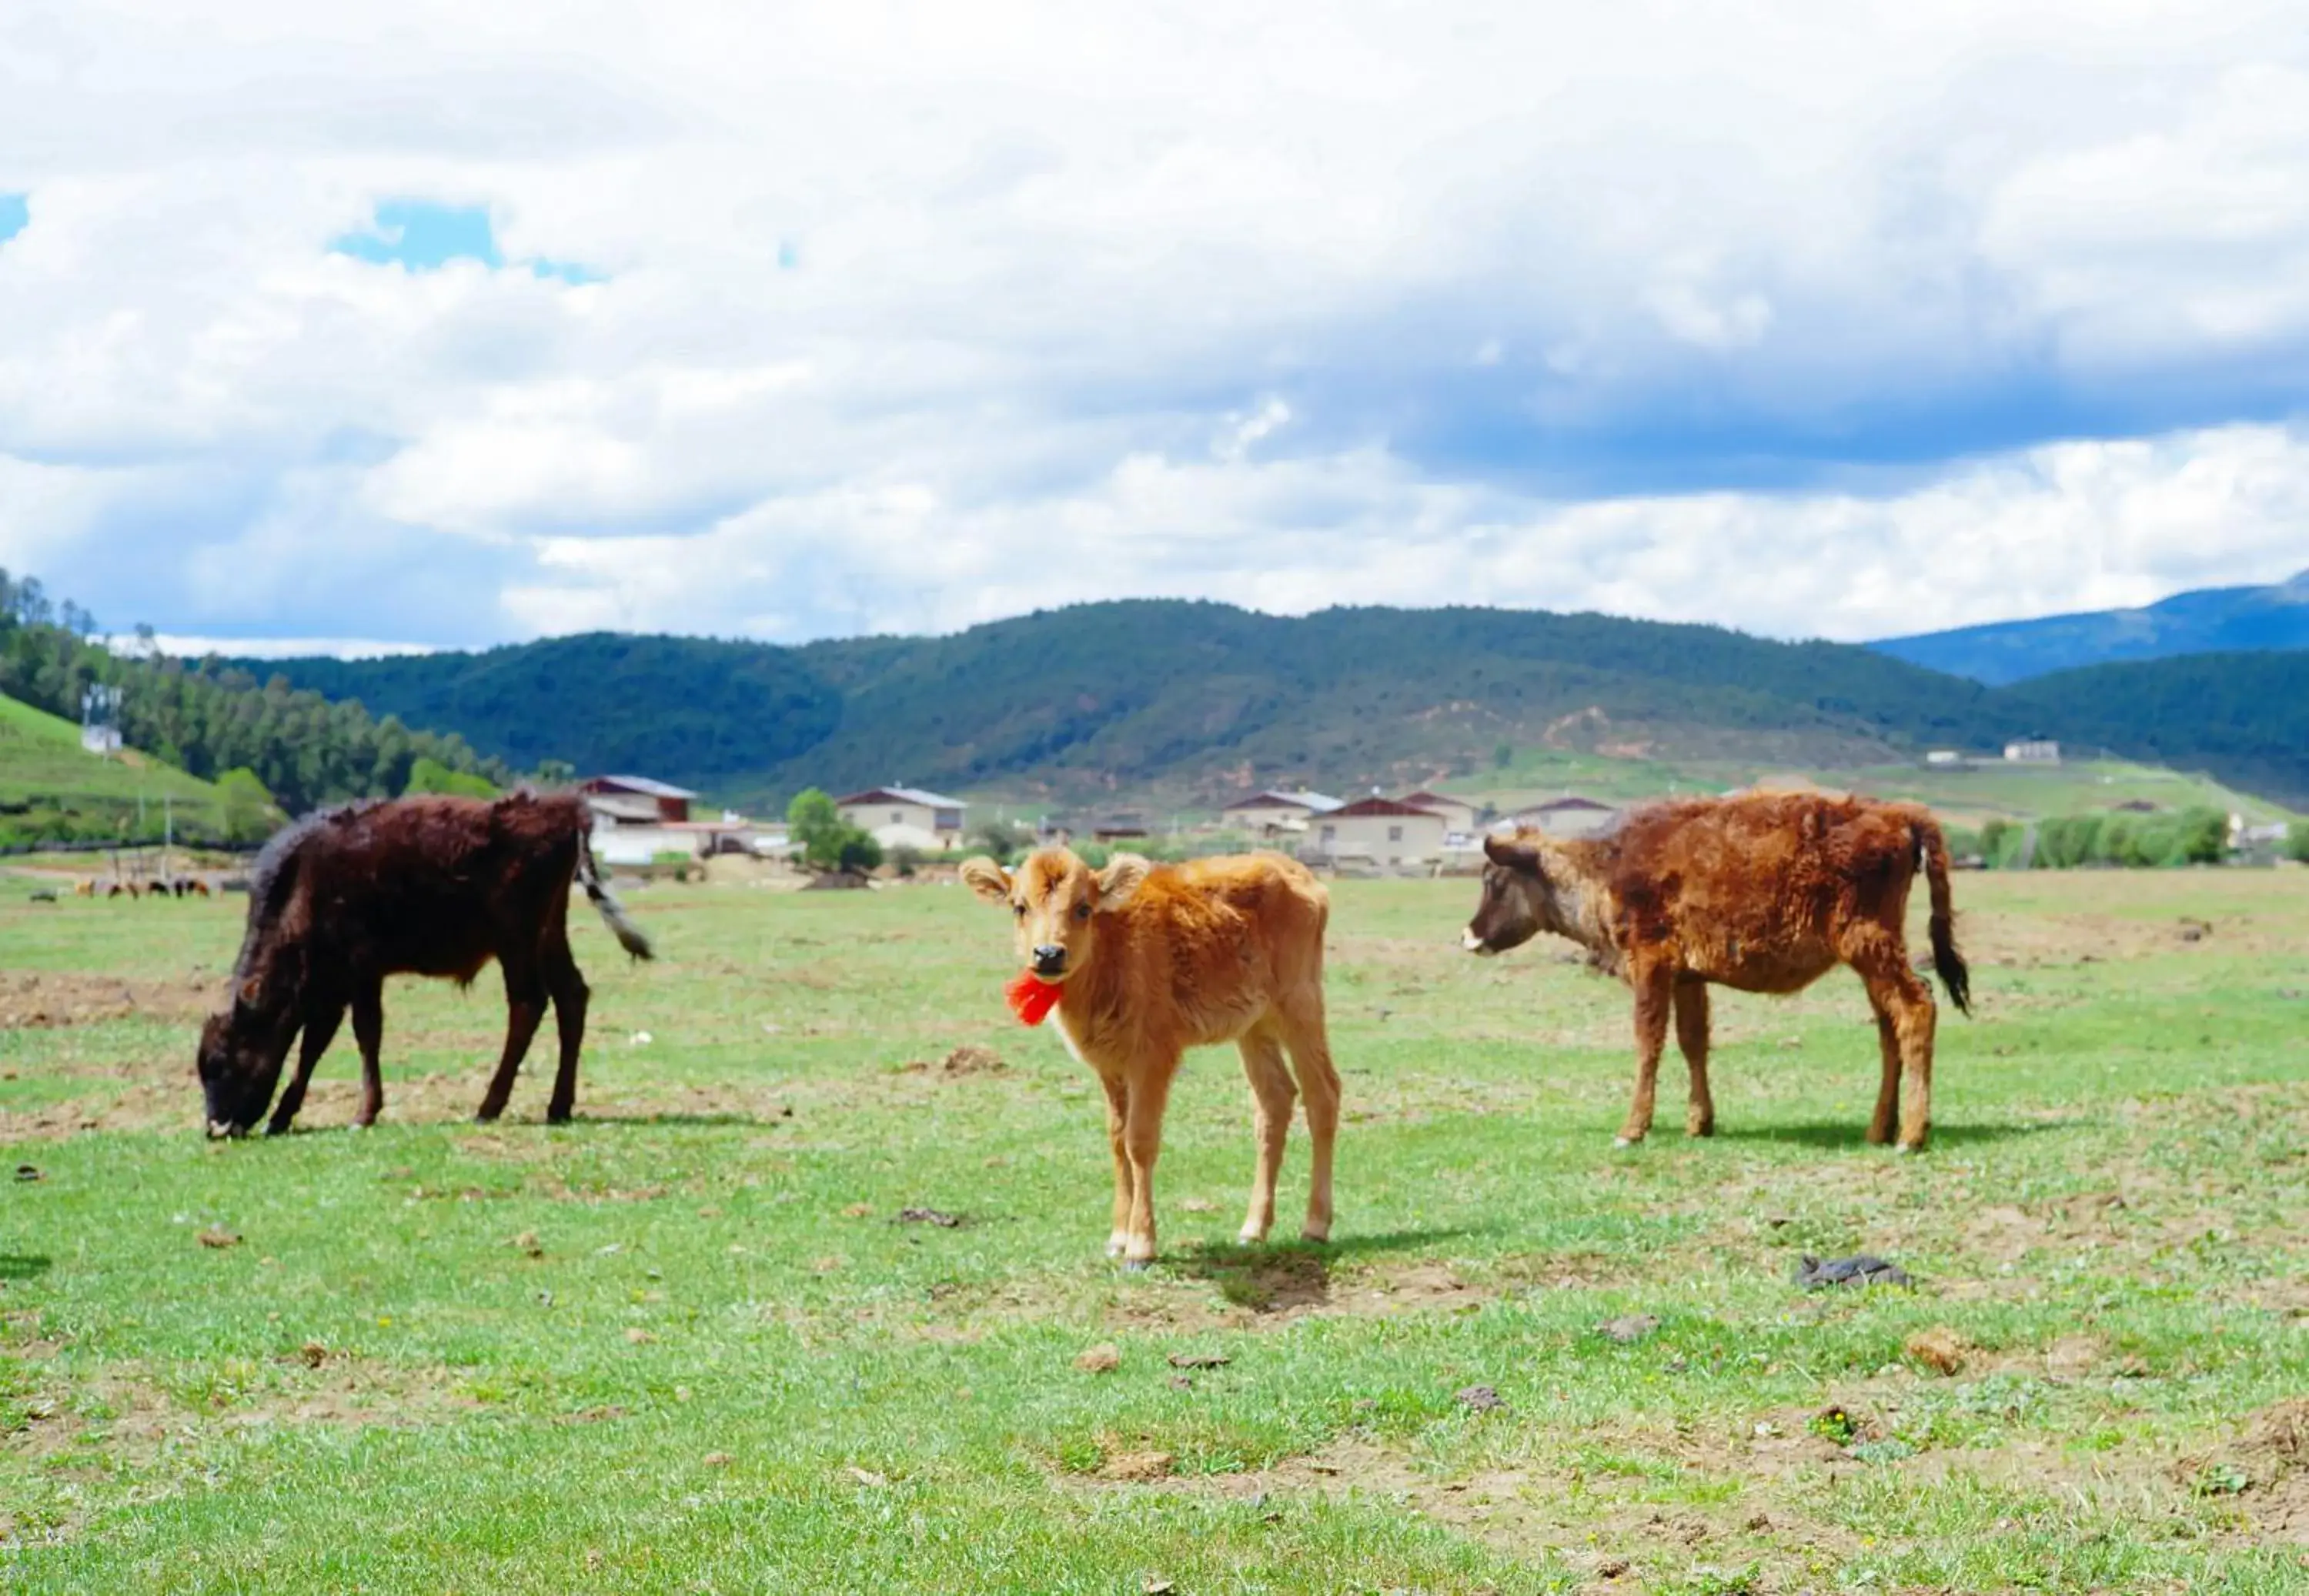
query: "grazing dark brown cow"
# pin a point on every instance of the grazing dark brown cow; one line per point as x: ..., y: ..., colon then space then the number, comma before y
x: 427, y: 886
x: 1151, y: 960
x: 1763, y: 894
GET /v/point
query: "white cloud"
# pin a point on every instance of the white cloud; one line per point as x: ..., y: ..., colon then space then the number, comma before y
x: 920, y: 314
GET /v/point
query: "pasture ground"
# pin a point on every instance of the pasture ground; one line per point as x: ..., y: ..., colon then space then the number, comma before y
x: 689, y: 1343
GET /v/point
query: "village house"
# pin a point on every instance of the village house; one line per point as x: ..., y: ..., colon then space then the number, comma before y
x: 1276, y: 811
x: 1459, y: 821
x: 2033, y: 749
x: 1567, y: 816
x: 637, y: 820
x: 905, y: 818
x: 1377, y: 832
x: 637, y: 798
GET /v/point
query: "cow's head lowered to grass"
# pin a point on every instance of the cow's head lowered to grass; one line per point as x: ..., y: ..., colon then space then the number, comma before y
x: 241, y: 1052
x: 1055, y: 900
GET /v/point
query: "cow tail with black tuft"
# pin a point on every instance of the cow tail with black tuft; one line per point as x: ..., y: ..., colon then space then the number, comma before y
x: 629, y: 936
x: 1931, y: 854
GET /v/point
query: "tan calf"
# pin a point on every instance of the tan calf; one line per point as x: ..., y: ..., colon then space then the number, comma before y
x: 1152, y: 959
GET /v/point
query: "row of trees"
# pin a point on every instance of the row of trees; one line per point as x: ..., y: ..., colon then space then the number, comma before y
x: 2193, y: 836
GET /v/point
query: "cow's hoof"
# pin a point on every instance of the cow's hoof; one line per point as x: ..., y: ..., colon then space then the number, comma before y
x: 277, y: 1128
x: 1319, y: 1237
x: 1907, y: 1148
x: 1249, y: 1236
x: 564, y: 1117
x: 1137, y: 1265
x: 1117, y: 1247
x: 1625, y: 1142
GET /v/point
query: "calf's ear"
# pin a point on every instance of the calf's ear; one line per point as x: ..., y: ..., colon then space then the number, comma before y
x: 1513, y: 854
x: 1120, y: 878
x: 988, y: 879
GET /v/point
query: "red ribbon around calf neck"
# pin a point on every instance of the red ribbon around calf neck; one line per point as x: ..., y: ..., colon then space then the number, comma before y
x: 1032, y: 998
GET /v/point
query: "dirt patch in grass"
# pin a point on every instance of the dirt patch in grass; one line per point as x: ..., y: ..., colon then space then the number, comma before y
x: 126, y: 1416
x: 969, y: 1059
x: 2265, y: 1469
x: 2033, y: 941
x: 1608, y: 1522
x: 49, y: 999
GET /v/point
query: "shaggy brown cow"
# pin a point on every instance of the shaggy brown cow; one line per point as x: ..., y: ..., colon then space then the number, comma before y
x: 1152, y: 959
x: 427, y: 886
x: 1763, y: 894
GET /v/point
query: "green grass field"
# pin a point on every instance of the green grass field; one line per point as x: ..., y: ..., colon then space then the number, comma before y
x: 687, y: 1344
x: 45, y: 776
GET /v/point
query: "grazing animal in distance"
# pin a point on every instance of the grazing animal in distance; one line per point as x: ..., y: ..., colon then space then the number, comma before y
x: 433, y: 887
x: 1762, y: 893
x: 85, y: 888
x: 1151, y: 960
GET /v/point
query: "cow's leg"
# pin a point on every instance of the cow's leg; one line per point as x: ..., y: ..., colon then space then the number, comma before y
x: 1142, y: 1142
x: 1272, y: 1096
x: 369, y: 1031
x: 1691, y: 1036
x: 524, y: 1009
x: 1887, y: 1088
x: 320, y: 1030
x: 1895, y: 990
x: 570, y: 996
x: 1319, y: 1085
x: 1654, y: 996
x: 1118, y: 1114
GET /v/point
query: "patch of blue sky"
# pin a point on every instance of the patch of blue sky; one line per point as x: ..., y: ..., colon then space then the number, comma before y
x: 423, y: 236
x: 15, y: 215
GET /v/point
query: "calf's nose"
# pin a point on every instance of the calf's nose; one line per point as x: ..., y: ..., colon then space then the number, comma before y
x: 1050, y: 959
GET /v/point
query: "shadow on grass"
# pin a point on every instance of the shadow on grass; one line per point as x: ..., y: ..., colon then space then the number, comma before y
x: 676, y: 1118
x: 1283, y: 1276
x: 24, y: 1266
x: 1843, y: 1132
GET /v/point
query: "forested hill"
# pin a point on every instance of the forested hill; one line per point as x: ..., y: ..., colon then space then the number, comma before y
x: 208, y: 719
x: 1194, y: 696
x: 1206, y: 699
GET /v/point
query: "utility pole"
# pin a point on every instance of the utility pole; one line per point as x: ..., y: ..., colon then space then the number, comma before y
x: 168, y: 837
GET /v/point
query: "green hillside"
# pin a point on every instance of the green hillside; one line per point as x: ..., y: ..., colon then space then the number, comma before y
x: 1178, y: 704
x: 50, y: 790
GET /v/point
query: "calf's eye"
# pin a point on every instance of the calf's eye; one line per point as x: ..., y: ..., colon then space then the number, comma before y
x: 1082, y: 911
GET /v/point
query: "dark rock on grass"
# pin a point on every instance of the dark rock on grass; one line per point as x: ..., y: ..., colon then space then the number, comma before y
x: 1478, y: 1398
x: 1861, y: 1269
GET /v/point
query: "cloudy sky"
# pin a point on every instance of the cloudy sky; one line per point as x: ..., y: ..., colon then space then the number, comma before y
x: 451, y: 323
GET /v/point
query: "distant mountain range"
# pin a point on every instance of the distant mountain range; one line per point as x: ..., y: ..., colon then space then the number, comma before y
x: 1174, y: 701
x: 2209, y: 620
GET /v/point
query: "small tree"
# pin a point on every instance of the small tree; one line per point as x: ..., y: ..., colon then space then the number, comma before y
x: 827, y: 841
x: 249, y: 812
x: 1005, y: 839
x: 428, y: 774
x: 1503, y: 756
